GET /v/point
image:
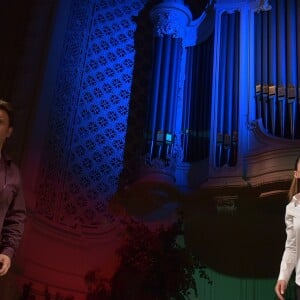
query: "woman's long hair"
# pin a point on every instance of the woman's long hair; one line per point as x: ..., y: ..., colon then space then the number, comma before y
x: 294, y: 189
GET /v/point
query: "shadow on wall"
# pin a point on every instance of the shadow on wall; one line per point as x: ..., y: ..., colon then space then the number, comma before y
x: 235, y: 231
x: 238, y: 232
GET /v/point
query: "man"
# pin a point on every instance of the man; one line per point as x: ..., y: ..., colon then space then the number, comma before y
x: 12, y: 205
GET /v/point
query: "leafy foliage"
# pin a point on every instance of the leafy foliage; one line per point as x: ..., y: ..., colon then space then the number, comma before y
x: 154, y: 264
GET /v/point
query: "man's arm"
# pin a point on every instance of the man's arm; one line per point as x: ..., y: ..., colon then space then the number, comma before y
x: 13, y: 225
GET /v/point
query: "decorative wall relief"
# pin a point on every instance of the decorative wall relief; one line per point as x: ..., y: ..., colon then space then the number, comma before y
x: 84, y: 155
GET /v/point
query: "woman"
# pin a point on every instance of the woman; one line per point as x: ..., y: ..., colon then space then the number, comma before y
x: 291, y: 256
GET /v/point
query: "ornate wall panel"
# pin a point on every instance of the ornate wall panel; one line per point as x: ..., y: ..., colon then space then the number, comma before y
x: 84, y: 155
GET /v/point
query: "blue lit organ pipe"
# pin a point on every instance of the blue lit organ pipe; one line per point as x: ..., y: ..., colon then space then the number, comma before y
x: 197, y: 101
x: 194, y: 106
x: 190, y: 117
x: 207, y: 95
x: 163, y: 98
x: 291, y: 37
x: 283, y: 26
x: 221, y: 87
x: 281, y: 64
x: 258, y: 65
x: 203, y: 80
x: 203, y: 98
x: 265, y: 81
x: 162, y: 109
x: 161, y: 113
x: 154, y: 91
x: 228, y: 99
x: 272, y: 53
x: 201, y: 95
x: 236, y: 92
x: 170, y: 19
x: 227, y: 119
x: 172, y: 100
x: 187, y: 103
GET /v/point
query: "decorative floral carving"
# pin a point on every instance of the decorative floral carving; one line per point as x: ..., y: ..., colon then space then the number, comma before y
x: 83, y: 157
x: 170, y: 20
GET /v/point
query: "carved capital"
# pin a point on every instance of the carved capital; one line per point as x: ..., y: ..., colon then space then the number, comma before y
x: 170, y: 19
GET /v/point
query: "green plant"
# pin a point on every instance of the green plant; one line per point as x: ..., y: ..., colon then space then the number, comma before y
x: 154, y: 264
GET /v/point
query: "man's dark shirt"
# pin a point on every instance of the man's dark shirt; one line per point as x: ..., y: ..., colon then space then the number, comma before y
x: 12, y: 207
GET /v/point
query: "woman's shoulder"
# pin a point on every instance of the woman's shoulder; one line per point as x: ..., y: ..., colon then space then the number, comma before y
x: 293, y: 207
x: 295, y: 201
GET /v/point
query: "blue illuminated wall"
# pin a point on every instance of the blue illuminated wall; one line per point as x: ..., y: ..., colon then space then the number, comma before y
x: 84, y: 153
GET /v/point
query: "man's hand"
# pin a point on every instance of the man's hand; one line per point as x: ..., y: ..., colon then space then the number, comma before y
x: 5, y: 262
x: 280, y: 288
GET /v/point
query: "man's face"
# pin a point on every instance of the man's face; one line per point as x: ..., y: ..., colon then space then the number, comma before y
x: 5, y: 128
